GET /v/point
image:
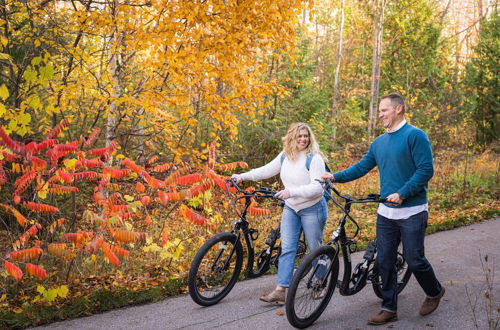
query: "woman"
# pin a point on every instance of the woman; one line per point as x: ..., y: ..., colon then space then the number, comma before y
x: 305, y: 208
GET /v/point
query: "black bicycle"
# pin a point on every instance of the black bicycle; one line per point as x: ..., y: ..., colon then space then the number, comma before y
x: 217, y: 264
x: 314, y: 281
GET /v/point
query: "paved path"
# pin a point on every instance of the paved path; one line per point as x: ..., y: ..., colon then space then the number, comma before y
x: 454, y: 255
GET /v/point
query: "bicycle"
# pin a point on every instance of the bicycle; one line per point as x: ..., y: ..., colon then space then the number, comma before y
x: 315, y: 280
x: 218, y: 263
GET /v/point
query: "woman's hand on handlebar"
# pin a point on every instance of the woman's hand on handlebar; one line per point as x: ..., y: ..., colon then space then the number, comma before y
x: 327, y: 176
x: 237, y: 177
x: 283, y: 194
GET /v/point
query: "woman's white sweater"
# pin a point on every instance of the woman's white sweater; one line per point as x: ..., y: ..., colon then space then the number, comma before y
x: 304, y: 190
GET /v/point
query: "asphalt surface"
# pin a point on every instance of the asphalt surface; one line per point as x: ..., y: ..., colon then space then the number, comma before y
x: 455, y: 256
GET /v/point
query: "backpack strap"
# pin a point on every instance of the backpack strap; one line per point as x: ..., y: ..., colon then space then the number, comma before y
x: 308, y: 161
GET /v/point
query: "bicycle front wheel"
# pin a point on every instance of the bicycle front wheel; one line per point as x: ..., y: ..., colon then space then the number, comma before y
x: 215, y: 269
x: 312, y: 287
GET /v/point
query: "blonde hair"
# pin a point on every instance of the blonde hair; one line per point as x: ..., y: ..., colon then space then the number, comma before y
x: 290, y: 141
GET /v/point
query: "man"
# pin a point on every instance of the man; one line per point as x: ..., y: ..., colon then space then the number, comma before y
x: 404, y: 159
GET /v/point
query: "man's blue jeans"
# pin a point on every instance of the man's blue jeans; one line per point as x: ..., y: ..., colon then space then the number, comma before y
x: 312, y: 220
x: 411, y: 232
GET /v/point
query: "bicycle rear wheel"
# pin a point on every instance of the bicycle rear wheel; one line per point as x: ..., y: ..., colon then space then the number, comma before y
x: 402, y: 269
x: 312, y: 287
x: 215, y: 269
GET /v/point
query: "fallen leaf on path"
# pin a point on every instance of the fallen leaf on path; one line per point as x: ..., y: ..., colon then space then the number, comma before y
x: 280, y: 313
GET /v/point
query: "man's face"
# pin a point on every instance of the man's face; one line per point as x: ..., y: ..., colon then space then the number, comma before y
x: 388, y: 113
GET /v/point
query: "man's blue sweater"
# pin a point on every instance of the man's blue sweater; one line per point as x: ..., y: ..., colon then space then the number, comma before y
x: 404, y: 160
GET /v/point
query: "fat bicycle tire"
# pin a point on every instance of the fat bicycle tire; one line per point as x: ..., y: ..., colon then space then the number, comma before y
x: 308, y: 295
x: 212, y: 275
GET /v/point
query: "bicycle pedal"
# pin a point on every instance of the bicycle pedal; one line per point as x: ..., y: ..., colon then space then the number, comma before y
x: 370, y: 250
x: 274, y: 234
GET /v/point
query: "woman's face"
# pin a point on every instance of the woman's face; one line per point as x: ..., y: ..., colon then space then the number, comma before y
x: 303, y: 139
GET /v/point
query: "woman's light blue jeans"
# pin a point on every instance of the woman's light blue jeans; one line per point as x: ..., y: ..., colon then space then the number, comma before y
x: 312, y: 221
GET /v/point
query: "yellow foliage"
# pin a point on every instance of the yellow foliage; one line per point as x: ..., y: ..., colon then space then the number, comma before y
x: 180, y: 62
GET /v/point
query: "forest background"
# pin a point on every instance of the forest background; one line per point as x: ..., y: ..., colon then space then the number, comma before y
x: 120, y: 119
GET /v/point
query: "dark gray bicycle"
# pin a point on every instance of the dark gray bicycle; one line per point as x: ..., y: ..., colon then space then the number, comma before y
x: 218, y: 263
x: 315, y: 280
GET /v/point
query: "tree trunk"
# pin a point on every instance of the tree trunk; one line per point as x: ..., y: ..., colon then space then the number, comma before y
x: 337, y: 72
x: 376, y: 62
x: 112, y: 118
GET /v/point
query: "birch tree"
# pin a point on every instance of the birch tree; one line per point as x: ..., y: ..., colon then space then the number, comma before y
x: 337, y: 71
x: 379, y: 6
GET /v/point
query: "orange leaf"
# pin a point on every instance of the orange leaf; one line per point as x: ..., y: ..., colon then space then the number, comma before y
x: 140, y: 187
x: 78, y: 237
x: 162, y: 167
x: 148, y: 220
x: 193, y: 216
x: 119, y: 251
x: 131, y: 165
x: 57, y: 129
x: 125, y: 236
x: 232, y: 166
x: 42, y: 208
x: 36, y: 270
x: 13, y: 270
x: 201, y: 188
x: 258, y: 211
x: 164, y: 236
x: 111, y: 256
x: 189, y: 179
x: 57, y: 249
x: 26, y: 254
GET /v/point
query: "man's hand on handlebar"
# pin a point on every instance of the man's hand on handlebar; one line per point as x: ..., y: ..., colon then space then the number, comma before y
x: 327, y: 176
x: 394, y: 199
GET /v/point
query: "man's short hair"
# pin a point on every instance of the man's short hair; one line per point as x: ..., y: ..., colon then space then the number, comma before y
x: 396, y: 99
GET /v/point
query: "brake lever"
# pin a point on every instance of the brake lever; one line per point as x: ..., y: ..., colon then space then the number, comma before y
x: 375, y: 196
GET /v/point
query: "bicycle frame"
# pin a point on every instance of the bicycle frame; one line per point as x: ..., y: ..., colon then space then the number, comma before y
x: 343, y: 243
x: 250, y: 234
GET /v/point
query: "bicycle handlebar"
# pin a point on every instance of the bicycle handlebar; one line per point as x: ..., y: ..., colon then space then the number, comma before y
x: 371, y: 198
x: 262, y: 192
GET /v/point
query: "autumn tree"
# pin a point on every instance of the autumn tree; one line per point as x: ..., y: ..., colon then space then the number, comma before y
x: 164, y: 74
